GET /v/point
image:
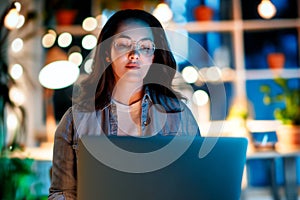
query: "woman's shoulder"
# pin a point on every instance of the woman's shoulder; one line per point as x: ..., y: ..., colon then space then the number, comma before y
x: 74, y: 111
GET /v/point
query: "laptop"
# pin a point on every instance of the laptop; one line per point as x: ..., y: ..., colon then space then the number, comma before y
x: 160, y: 168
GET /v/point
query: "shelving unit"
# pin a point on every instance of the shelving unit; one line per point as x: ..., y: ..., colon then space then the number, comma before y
x: 237, y: 27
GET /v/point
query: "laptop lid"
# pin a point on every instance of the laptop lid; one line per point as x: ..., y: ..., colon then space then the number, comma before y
x: 160, y: 168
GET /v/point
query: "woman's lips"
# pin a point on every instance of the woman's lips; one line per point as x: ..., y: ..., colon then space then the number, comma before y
x: 132, y: 66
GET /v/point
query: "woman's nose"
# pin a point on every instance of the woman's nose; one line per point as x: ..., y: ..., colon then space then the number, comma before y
x: 134, y: 55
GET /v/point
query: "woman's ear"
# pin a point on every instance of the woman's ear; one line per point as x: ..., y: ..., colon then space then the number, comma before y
x: 107, y: 58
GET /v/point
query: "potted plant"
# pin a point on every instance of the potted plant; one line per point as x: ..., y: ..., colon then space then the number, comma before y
x: 65, y: 11
x: 203, y: 13
x: 16, y: 176
x: 276, y: 60
x: 288, y: 134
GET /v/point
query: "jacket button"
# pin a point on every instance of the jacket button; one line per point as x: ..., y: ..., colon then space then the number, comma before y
x: 145, y: 123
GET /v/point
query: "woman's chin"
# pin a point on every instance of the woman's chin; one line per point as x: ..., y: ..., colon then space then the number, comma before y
x: 133, y: 76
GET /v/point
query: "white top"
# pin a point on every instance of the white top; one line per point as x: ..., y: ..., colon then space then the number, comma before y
x: 129, y: 118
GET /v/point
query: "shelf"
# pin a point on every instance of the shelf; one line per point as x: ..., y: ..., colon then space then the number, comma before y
x: 210, y: 128
x: 259, y: 74
x: 270, y: 74
x: 207, y: 26
x: 75, y: 30
x: 231, y: 25
x: 271, y: 24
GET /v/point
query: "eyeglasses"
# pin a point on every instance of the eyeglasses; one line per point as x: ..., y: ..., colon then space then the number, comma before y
x: 124, y: 45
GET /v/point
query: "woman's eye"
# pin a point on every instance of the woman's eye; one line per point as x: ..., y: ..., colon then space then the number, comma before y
x: 123, y: 46
x: 146, y: 46
x: 145, y: 49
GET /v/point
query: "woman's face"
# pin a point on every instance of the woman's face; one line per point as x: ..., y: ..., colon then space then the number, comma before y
x: 132, y: 51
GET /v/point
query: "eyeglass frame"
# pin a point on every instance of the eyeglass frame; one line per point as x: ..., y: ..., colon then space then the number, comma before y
x: 135, y: 46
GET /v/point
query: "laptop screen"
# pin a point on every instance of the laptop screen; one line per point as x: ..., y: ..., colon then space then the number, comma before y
x: 160, y: 167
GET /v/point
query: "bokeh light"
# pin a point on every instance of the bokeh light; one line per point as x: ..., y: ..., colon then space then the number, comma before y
x: 64, y: 39
x: 89, y: 42
x: 49, y: 38
x: 190, y: 74
x: 75, y: 58
x: 200, y: 97
x: 16, y: 71
x: 17, y: 45
x: 89, y: 24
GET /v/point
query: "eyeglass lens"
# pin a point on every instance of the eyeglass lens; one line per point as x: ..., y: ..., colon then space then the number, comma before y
x: 145, y: 47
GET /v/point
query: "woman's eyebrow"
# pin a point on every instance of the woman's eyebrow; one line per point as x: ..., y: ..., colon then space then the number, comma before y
x: 125, y: 36
x: 147, y: 38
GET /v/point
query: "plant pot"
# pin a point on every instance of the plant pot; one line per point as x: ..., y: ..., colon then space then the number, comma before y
x: 288, y: 137
x: 276, y: 60
x: 131, y: 4
x: 65, y: 17
x: 203, y: 13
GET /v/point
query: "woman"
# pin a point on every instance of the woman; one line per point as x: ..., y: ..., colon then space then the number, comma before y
x: 128, y: 93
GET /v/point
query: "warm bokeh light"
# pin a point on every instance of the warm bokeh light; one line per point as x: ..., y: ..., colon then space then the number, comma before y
x: 17, y: 45
x: 58, y: 74
x: 88, y: 66
x: 11, y: 19
x: 49, y: 38
x: 190, y: 74
x: 200, y: 97
x: 64, y: 39
x: 18, y: 6
x: 101, y: 20
x: 75, y: 58
x: 163, y: 12
x: 21, y: 21
x: 266, y: 9
x: 53, y: 32
x: 12, y: 121
x: 16, y: 96
x: 16, y: 71
x: 89, y: 42
x: 89, y: 24
x: 213, y: 74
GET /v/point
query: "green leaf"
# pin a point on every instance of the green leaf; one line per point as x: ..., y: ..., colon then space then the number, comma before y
x: 16, y: 176
x: 265, y: 89
x: 281, y: 82
x: 279, y: 97
x: 267, y: 100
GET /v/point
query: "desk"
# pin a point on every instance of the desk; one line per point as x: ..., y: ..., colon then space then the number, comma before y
x: 289, y: 163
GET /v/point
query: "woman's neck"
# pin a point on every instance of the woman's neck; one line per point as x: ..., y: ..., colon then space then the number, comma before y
x: 128, y: 93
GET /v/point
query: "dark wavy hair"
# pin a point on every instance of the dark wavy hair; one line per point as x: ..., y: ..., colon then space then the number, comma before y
x: 96, y: 90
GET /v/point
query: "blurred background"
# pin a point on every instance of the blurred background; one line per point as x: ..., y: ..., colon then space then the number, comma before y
x: 238, y: 66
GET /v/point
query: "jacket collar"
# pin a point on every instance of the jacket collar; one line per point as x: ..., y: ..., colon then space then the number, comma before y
x: 146, y: 97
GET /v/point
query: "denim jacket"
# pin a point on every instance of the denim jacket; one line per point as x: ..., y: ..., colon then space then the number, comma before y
x: 75, y: 123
